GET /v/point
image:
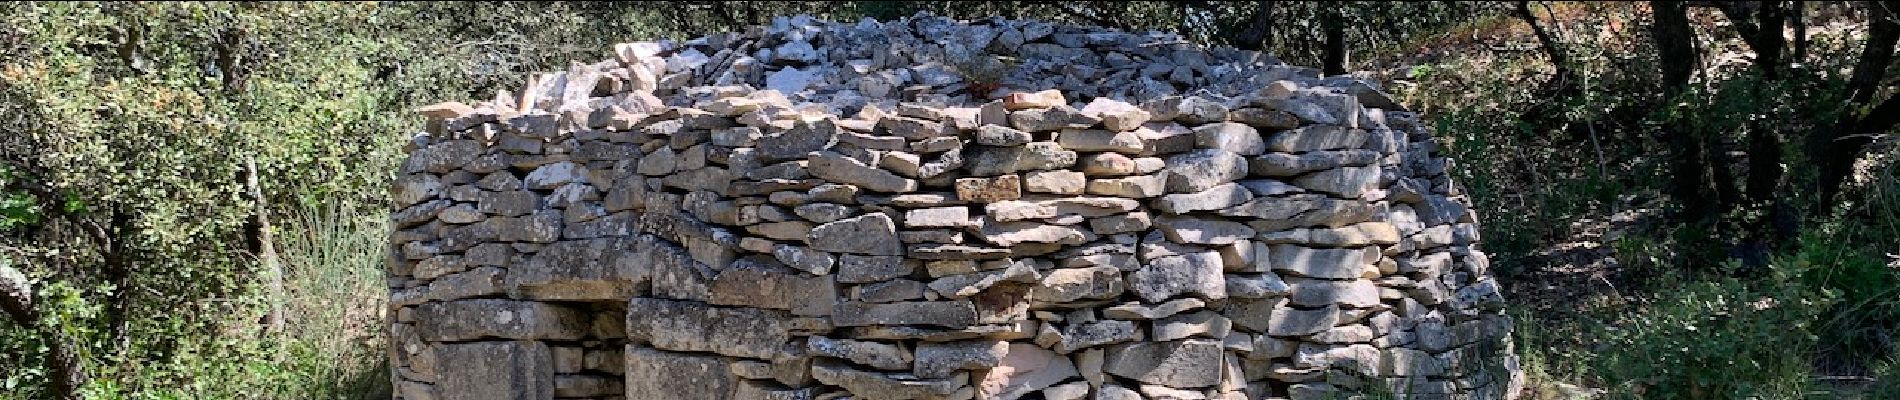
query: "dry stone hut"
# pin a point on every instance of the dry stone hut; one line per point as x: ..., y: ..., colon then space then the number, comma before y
x: 934, y: 209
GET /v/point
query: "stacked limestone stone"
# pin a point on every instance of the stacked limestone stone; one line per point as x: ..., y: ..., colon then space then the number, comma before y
x: 643, y: 228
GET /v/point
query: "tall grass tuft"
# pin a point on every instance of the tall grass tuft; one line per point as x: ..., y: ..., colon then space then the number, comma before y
x: 333, y: 258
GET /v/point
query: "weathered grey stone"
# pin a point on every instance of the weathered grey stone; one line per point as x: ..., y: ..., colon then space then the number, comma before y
x: 1015, y: 210
x: 894, y: 290
x: 941, y: 359
x: 1080, y: 335
x: 912, y: 128
x: 1218, y: 197
x: 1257, y: 286
x: 871, y: 234
x: 1263, y: 118
x: 1138, y: 311
x: 508, y: 203
x: 586, y: 385
x: 885, y: 386
x: 883, y: 356
x: 1355, y: 235
x: 1065, y: 285
x: 1348, y: 182
x: 752, y: 284
x: 1232, y: 137
x: 940, y: 217
x: 1029, y: 100
x: 1316, y: 138
x: 998, y: 135
x: 1316, y: 292
x: 1012, y: 233
x: 970, y: 284
x: 594, y: 269
x: 1360, y: 359
x: 1279, y: 213
x: 660, y: 162
x: 1192, y: 110
x: 518, y: 370
x: 956, y: 252
x: 1312, y: 391
x: 1282, y: 164
x: 822, y: 212
x: 697, y: 327
x: 804, y: 258
x: 1164, y: 392
x: 1067, y: 391
x: 752, y: 390
x: 1024, y: 370
x: 1348, y: 334
x: 442, y: 157
x: 1100, y: 140
x: 482, y: 281
x: 1207, y: 324
x: 949, y: 314
x: 854, y: 268
x: 838, y: 168
x: 460, y: 214
x: 1288, y: 321
x: 1123, y: 223
x: 1165, y: 138
x: 1203, y: 169
x: 554, y: 175
x: 539, y: 227
x: 1197, y: 274
x: 993, y: 160
x: 1203, y: 231
x: 1050, y: 119
x: 1107, y: 164
x: 1114, y: 392
x: 1116, y: 115
x: 1138, y: 187
x: 1321, y: 263
x: 464, y: 320
x: 1192, y: 363
x: 987, y: 190
x: 1057, y: 182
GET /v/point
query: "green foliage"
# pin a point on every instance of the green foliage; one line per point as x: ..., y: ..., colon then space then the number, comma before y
x: 1711, y: 339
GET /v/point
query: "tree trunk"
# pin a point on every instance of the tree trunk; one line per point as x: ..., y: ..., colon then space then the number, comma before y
x: 1798, y: 18
x: 1835, y: 151
x: 1552, y: 49
x: 62, y: 362
x: 1760, y: 26
x: 1258, y: 35
x: 1769, y: 43
x: 118, y: 271
x: 261, y: 244
x: 1689, y: 173
x: 1335, y: 57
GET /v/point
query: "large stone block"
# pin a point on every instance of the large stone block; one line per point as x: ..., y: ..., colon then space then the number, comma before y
x: 661, y: 375
x: 698, y: 327
x: 595, y: 269
x: 474, y: 319
x: 1192, y: 363
x: 514, y: 370
x: 949, y: 314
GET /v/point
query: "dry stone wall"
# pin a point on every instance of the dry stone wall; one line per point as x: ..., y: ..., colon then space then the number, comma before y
x: 817, y: 210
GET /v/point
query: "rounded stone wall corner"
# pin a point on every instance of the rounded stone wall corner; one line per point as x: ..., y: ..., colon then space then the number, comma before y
x: 822, y: 210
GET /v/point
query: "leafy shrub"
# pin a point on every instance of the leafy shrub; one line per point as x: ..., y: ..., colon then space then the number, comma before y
x: 1710, y: 339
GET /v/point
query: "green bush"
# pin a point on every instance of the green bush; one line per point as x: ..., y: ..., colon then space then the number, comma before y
x: 1711, y: 339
